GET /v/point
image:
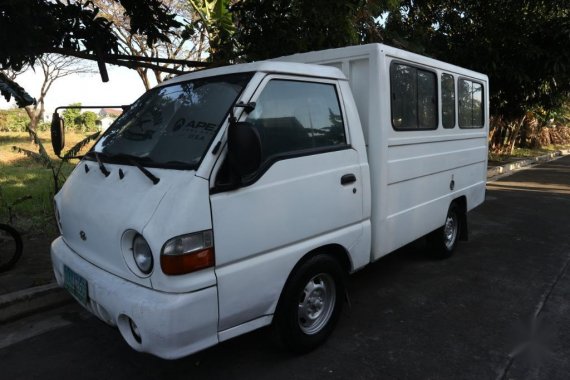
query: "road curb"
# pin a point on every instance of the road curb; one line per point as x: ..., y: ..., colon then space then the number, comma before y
x: 512, y: 166
x: 28, y: 301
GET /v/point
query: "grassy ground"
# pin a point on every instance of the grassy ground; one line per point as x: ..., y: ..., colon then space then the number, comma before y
x: 22, y: 176
x: 525, y: 152
x: 521, y: 153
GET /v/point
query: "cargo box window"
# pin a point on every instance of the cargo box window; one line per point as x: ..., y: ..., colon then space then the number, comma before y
x: 471, y: 113
x: 447, y: 101
x: 294, y: 116
x: 414, y: 98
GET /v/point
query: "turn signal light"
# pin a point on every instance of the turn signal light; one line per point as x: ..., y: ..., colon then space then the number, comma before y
x: 191, y: 262
x: 188, y: 253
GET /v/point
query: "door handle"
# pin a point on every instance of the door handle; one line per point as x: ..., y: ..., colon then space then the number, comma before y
x: 347, y: 179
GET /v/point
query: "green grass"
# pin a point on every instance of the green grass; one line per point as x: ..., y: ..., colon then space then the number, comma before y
x: 520, y: 153
x: 21, y: 176
x: 18, y: 182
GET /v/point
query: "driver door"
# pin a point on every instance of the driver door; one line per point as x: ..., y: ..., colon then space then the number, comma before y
x: 307, y: 189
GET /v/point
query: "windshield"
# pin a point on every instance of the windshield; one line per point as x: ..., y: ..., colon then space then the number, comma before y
x: 173, y: 125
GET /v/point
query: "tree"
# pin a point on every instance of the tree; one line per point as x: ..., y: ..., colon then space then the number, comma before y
x: 31, y: 28
x: 72, y: 116
x: 182, y: 46
x: 218, y: 23
x: 13, y: 120
x: 268, y: 29
x: 523, y: 45
x: 88, y: 120
x: 53, y: 67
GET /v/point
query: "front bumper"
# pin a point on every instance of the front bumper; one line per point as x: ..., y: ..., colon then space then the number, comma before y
x: 170, y: 325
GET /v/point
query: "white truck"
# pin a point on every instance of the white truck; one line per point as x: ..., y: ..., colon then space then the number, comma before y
x: 236, y: 197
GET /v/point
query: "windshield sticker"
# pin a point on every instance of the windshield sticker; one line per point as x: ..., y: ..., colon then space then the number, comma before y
x: 193, y: 130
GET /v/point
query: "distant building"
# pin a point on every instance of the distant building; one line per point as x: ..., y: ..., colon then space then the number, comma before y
x: 107, y: 116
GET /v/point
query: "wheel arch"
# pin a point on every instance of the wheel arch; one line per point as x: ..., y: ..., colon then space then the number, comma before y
x: 337, y: 251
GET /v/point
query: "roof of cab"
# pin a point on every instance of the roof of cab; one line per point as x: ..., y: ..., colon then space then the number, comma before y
x: 303, y: 69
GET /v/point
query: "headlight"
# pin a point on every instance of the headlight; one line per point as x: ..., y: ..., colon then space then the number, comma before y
x: 188, y: 253
x: 142, y: 254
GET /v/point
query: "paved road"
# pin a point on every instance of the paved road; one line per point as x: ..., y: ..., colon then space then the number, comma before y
x: 497, y: 310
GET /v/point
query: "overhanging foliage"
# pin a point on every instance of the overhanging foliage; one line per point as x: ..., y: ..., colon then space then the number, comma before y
x: 523, y: 45
x: 31, y: 28
x: 9, y: 89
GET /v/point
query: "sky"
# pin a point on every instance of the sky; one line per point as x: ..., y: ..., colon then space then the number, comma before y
x: 124, y: 87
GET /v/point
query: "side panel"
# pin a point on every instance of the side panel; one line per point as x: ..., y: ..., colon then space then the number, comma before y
x: 419, y: 205
x: 425, y: 171
x: 359, y: 77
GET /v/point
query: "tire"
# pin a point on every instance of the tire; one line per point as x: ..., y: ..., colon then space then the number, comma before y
x: 310, y: 304
x: 442, y: 242
x: 10, y: 247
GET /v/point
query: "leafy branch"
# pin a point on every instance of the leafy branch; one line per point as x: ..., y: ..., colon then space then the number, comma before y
x: 43, y: 158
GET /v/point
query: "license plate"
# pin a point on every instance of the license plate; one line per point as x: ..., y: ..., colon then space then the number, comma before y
x: 75, y: 284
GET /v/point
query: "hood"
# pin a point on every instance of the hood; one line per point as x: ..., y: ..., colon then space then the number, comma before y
x: 96, y: 211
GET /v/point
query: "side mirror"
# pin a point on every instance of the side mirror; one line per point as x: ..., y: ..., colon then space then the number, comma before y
x: 57, y: 133
x: 244, y: 148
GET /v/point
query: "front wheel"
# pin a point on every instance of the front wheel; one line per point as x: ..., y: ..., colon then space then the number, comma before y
x: 10, y: 247
x: 310, y: 304
x: 442, y: 242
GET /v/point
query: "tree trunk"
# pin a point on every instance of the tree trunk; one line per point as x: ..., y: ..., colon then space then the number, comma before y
x: 517, y: 125
x: 498, y: 136
x: 34, y: 118
x: 144, y: 77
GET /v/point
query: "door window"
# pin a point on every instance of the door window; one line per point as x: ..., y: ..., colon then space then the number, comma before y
x: 297, y: 117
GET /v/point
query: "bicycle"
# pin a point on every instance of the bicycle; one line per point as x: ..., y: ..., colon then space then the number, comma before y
x: 11, y: 244
x: 11, y: 247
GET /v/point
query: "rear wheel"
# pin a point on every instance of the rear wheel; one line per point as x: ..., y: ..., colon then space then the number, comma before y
x: 310, y: 304
x: 442, y: 242
x: 10, y: 247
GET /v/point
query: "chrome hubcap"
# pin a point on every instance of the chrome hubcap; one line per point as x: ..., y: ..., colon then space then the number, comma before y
x: 316, y: 303
x: 450, y: 231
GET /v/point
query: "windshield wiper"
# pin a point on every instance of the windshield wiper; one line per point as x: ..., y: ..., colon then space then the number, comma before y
x: 130, y: 159
x: 101, y: 166
x: 133, y: 160
x: 150, y: 176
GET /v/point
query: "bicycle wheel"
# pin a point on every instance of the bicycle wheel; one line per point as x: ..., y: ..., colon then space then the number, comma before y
x: 10, y: 247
